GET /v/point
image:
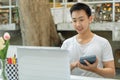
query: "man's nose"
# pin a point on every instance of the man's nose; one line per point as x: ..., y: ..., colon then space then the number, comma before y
x: 78, y: 23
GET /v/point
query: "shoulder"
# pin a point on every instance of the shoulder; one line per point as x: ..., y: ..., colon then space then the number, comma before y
x: 100, y: 39
x: 68, y: 42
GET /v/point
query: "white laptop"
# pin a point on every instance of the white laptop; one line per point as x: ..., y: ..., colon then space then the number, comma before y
x: 43, y: 63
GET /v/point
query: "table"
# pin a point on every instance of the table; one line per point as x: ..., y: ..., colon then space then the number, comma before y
x: 74, y: 77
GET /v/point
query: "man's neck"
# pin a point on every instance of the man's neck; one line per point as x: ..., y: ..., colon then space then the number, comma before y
x: 85, y: 37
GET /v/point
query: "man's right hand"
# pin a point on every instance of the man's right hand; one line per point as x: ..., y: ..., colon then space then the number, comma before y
x: 74, y: 65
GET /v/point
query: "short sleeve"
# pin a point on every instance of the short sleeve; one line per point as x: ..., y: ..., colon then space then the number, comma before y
x: 107, y: 52
x: 64, y: 45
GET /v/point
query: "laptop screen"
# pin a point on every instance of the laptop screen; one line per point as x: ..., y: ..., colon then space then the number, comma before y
x: 43, y: 63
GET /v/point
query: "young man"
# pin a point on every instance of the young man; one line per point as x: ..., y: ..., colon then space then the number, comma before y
x: 87, y: 43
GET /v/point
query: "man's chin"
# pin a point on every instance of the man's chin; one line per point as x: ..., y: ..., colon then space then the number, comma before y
x: 80, y: 32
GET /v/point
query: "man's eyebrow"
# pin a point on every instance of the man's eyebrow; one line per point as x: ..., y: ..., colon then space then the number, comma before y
x: 78, y: 17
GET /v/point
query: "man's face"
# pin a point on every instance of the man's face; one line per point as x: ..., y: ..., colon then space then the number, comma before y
x: 81, y: 21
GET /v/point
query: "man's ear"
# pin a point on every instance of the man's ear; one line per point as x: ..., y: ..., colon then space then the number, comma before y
x: 90, y: 19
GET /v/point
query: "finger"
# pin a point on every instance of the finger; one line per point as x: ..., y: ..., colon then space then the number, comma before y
x: 87, y: 62
x: 80, y: 65
x: 96, y: 62
x: 76, y: 63
x: 85, y: 67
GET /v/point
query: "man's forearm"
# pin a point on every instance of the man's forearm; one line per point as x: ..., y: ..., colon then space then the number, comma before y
x: 105, y: 72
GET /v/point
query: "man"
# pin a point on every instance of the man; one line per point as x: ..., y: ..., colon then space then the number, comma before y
x: 87, y: 43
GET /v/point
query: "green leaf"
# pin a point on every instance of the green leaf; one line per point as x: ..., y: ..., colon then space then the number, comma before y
x: 3, y: 52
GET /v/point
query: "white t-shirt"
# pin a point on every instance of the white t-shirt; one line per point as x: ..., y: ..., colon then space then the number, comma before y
x: 98, y: 46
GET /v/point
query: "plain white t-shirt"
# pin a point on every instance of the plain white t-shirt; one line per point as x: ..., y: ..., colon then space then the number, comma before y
x: 98, y: 46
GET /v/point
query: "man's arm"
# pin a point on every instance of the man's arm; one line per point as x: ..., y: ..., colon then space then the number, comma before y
x: 107, y: 71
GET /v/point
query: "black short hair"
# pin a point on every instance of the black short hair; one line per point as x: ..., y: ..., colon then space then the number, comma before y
x: 81, y: 6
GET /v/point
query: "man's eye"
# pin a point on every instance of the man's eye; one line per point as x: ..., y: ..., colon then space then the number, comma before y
x: 74, y: 20
x: 81, y: 20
